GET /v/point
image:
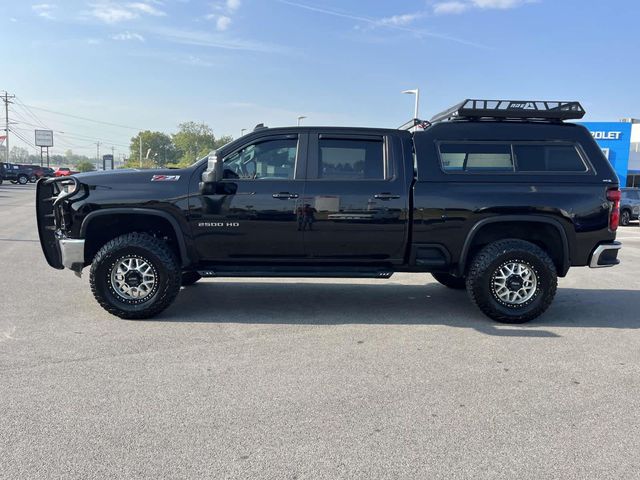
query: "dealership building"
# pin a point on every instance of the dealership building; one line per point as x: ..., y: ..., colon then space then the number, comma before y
x: 620, y: 142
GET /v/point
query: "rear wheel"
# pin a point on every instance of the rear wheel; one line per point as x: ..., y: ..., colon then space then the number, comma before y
x: 23, y: 179
x: 625, y: 218
x: 135, y: 276
x: 512, y: 281
x: 33, y: 179
x: 457, y: 283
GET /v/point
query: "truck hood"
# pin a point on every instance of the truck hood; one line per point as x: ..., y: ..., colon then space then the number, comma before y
x: 133, y: 175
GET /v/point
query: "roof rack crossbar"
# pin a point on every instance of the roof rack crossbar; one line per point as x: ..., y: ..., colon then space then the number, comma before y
x: 512, y: 109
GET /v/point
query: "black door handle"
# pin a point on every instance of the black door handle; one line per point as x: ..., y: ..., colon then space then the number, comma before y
x: 285, y: 195
x: 386, y: 196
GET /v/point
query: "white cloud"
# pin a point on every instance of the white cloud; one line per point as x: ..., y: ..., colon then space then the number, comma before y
x: 400, y: 20
x: 454, y: 7
x: 146, y: 8
x: 223, y: 13
x: 13, y: 19
x: 44, y: 10
x: 461, y: 6
x: 128, y: 36
x: 222, y: 23
x: 110, y: 13
x: 499, y: 4
x: 113, y: 12
x: 233, y: 4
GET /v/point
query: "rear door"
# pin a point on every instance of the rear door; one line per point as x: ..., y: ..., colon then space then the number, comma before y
x: 355, y: 206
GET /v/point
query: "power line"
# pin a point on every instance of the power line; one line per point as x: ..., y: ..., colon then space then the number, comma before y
x: 78, y: 136
x: 84, y: 118
x: 30, y: 112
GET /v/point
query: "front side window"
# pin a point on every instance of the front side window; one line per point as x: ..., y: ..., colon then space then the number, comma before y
x: 266, y: 160
x: 476, y: 157
x: 347, y: 159
x: 548, y: 158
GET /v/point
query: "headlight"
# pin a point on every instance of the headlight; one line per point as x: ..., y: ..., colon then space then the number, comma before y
x: 69, y: 188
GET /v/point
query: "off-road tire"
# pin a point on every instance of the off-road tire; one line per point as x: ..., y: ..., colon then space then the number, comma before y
x: 189, y: 278
x: 157, y: 254
x: 23, y: 179
x: 457, y: 283
x: 625, y: 218
x: 490, y: 259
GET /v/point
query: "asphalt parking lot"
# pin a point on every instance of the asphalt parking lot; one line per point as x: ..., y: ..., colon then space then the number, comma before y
x: 399, y: 378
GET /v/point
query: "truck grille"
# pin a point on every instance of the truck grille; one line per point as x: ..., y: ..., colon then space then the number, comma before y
x: 46, y: 194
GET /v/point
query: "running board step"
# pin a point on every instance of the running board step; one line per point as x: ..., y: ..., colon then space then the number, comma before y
x: 295, y: 272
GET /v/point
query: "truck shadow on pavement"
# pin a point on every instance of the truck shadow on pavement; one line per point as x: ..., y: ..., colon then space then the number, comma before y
x: 391, y: 304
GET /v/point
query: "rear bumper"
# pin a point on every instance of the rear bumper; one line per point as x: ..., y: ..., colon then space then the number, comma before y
x: 605, y: 255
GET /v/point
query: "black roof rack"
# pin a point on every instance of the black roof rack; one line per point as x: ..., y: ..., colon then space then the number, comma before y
x: 415, y: 123
x: 512, y: 110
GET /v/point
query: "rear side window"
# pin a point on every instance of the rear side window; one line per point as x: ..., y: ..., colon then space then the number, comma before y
x: 548, y: 158
x: 347, y: 159
x: 476, y: 157
x: 511, y: 158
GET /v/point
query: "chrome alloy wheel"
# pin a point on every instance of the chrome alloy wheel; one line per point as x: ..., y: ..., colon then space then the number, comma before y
x: 133, y: 278
x: 514, y: 283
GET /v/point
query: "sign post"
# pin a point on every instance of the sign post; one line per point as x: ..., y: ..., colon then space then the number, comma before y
x: 44, y: 139
x: 105, y: 159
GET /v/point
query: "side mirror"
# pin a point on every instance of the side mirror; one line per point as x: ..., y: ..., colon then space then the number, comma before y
x: 212, y: 175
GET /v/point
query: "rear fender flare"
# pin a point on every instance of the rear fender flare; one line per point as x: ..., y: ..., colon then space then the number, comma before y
x: 516, y: 218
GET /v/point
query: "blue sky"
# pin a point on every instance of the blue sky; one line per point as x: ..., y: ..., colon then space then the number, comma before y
x: 235, y: 63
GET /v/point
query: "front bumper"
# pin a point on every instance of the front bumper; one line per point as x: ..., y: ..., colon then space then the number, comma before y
x: 605, y: 255
x: 71, y: 253
x: 59, y: 251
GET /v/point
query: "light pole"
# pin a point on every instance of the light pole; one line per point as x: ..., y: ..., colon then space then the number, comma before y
x: 415, y: 92
x: 242, y: 132
x: 300, y: 118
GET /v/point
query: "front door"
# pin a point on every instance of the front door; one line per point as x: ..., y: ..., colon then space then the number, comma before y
x: 252, y: 214
x: 355, y: 205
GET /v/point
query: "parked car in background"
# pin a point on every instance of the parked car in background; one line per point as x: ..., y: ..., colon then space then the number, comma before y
x: 629, y: 205
x: 63, y: 172
x: 37, y: 172
x: 14, y: 173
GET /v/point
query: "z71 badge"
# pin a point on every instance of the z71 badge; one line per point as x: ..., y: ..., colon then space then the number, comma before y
x: 165, y: 178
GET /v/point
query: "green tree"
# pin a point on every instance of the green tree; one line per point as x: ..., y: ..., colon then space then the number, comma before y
x: 194, y: 140
x: 85, y: 166
x: 157, y: 150
x: 18, y: 155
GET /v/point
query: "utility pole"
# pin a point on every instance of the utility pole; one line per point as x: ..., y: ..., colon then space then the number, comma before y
x: 113, y: 158
x: 140, y: 149
x: 97, y: 155
x: 6, y: 98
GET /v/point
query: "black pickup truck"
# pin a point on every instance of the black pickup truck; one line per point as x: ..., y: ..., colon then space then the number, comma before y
x: 498, y: 197
x: 14, y: 173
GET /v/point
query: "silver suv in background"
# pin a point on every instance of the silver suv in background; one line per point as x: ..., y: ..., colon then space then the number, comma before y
x: 629, y: 205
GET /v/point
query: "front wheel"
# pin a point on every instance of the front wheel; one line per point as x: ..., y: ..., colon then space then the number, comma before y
x: 512, y: 281
x: 135, y: 276
x: 33, y: 179
x: 23, y: 179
